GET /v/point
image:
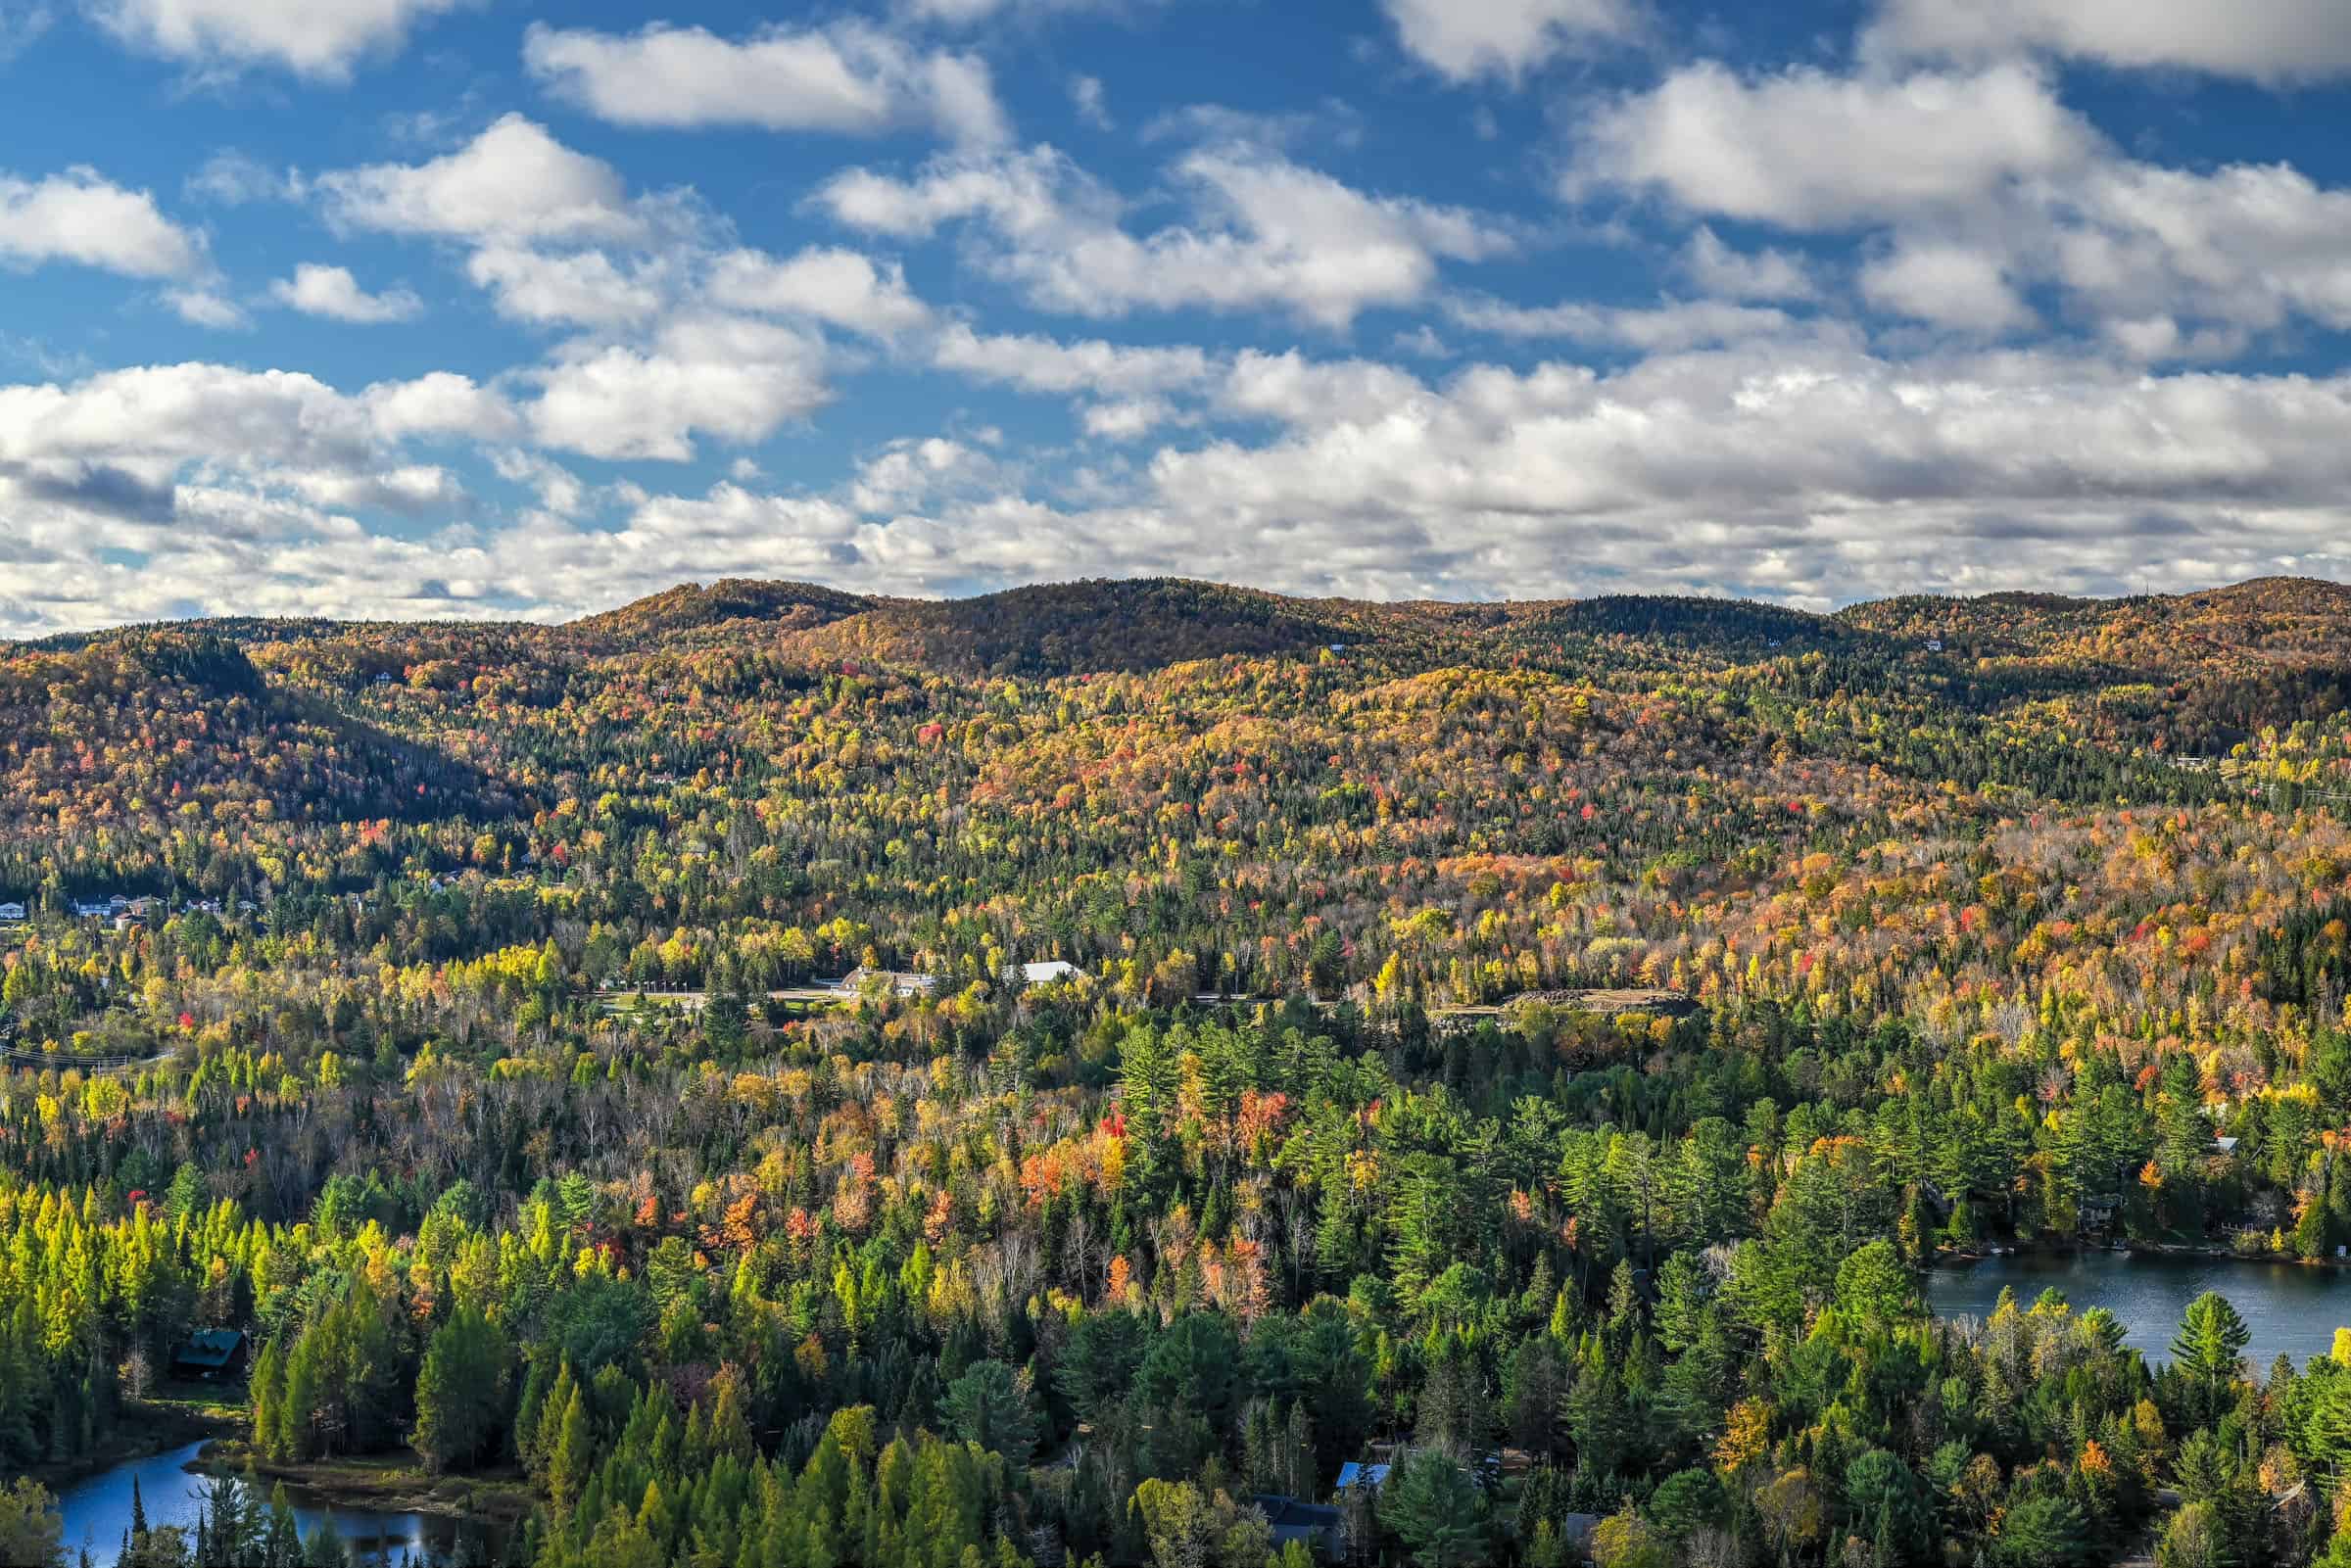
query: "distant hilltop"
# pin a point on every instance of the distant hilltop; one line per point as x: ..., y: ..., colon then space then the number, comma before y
x: 1135, y: 624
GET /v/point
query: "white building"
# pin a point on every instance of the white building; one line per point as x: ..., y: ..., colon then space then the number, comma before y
x: 12, y: 911
x: 1048, y: 974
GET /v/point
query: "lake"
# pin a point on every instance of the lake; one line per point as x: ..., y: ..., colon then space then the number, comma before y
x: 2287, y: 1307
x: 97, y: 1512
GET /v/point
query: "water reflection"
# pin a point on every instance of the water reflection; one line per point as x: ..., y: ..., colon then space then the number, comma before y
x: 97, y: 1514
x: 2288, y: 1308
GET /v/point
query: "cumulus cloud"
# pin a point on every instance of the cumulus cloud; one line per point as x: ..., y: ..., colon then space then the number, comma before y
x: 578, y: 288
x: 1676, y: 324
x: 238, y: 486
x: 1808, y: 150
x: 919, y: 472
x: 1463, y: 40
x: 513, y: 182
x: 204, y: 305
x: 1262, y: 231
x: 2243, y: 246
x: 2264, y: 40
x: 1721, y: 272
x: 732, y: 379
x: 1976, y: 187
x: 1095, y: 366
x: 332, y: 292
x: 320, y: 39
x: 1811, y: 470
x: 441, y: 404
x: 80, y: 216
x: 849, y: 77
x: 840, y: 287
x: 1948, y: 283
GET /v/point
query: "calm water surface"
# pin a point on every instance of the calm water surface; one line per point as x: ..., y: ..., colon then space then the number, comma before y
x: 97, y: 1512
x: 2288, y: 1308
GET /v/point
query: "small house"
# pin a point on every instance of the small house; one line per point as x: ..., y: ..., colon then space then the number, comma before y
x: 1046, y: 973
x: 1320, y: 1529
x: 1933, y: 645
x: 12, y: 911
x: 210, y: 1353
x: 897, y: 982
x: 382, y: 678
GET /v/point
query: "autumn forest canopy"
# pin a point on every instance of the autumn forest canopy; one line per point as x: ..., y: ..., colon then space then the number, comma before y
x: 772, y: 1077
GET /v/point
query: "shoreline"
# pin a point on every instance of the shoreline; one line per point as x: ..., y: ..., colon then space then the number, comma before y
x: 2185, y: 1252
x: 394, y: 1481
x: 143, y: 1430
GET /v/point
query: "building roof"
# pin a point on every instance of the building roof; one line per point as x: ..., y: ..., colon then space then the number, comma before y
x: 1352, y: 1474
x: 1052, y: 970
x: 1293, y: 1520
x: 208, y: 1347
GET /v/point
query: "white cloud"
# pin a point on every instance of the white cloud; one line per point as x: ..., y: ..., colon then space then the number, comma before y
x: 1026, y: 194
x: 1978, y: 188
x: 729, y: 378
x: 1264, y: 231
x: 1813, y: 470
x: 919, y: 473
x: 1810, y: 470
x: 1127, y: 420
x: 1463, y: 40
x: 1094, y: 368
x: 2243, y: 246
x: 81, y: 218
x: 1677, y: 324
x: 442, y: 404
x: 849, y: 77
x: 2264, y: 40
x: 1948, y: 283
x: 204, y: 305
x: 1293, y: 390
x: 579, y: 288
x: 1808, y: 149
x: 1091, y: 103
x: 1767, y: 274
x: 840, y: 287
x: 332, y: 292
x: 512, y: 182
x: 320, y: 39
x: 231, y: 179
x: 172, y: 414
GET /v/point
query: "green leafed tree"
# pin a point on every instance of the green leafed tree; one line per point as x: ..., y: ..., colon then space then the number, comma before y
x: 2210, y: 1346
x: 990, y: 1404
x: 1437, y: 1511
x: 462, y: 1389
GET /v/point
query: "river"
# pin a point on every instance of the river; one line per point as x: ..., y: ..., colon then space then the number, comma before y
x: 2287, y: 1307
x: 97, y: 1512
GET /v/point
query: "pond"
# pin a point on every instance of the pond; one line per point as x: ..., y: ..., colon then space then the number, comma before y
x: 2288, y: 1308
x: 97, y: 1512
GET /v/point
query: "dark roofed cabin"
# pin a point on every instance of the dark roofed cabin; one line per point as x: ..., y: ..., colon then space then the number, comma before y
x: 210, y: 1353
x: 1322, y: 1529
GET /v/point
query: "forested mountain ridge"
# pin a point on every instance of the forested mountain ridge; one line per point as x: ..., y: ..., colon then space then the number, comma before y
x: 1300, y: 1146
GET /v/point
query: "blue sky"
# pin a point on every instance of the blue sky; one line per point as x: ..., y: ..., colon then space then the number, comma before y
x: 477, y: 308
